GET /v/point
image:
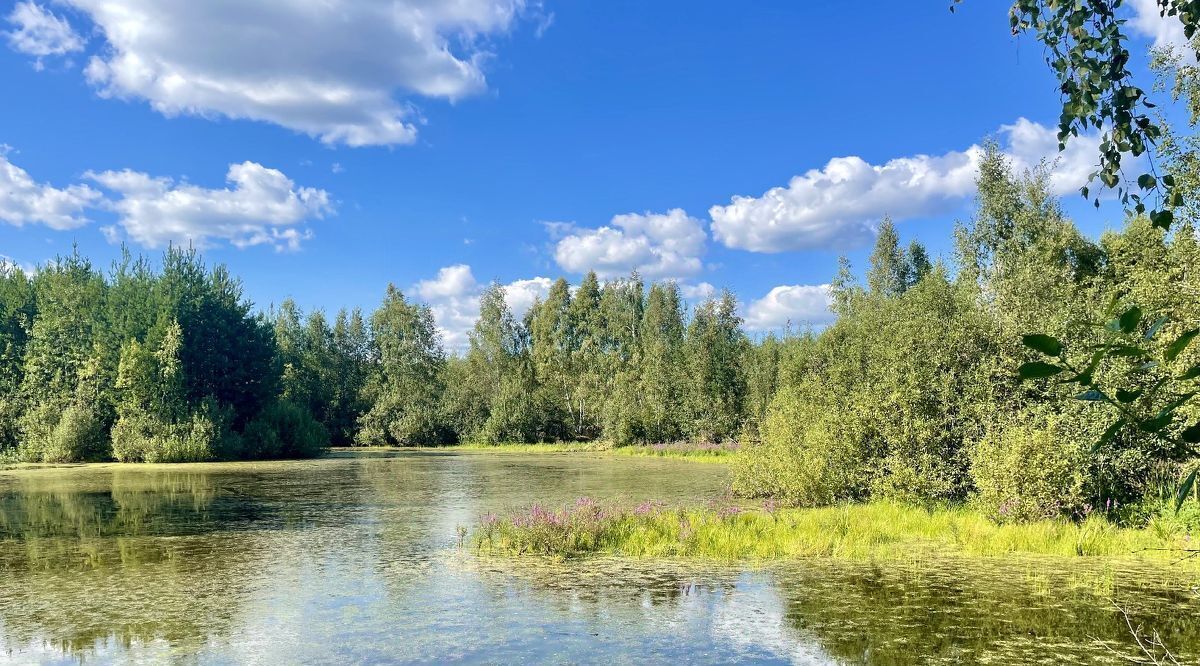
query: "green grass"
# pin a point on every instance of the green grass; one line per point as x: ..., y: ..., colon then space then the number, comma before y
x: 702, y: 453
x: 684, y: 451
x: 858, y: 531
x: 549, y: 447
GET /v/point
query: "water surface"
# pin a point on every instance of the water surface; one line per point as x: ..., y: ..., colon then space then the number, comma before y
x: 355, y: 559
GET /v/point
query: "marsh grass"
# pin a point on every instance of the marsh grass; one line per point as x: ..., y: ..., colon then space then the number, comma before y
x: 547, y: 447
x: 693, y: 451
x: 855, y: 531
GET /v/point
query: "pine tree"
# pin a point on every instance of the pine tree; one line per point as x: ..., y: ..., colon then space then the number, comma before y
x: 888, y: 272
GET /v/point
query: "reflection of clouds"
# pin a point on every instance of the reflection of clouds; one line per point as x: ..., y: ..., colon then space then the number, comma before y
x: 752, y: 617
x: 351, y: 559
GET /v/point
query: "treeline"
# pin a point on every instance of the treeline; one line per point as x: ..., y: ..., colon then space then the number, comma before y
x: 912, y: 394
x: 172, y: 364
x: 141, y: 365
x: 617, y: 362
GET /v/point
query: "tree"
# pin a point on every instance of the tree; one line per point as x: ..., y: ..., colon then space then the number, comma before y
x: 552, y: 350
x: 587, y: 349
x: 60, y: 355
x: 1085, y: 47
x: 662, y: 383
x: 405, y: 389
x: 888, y: 274
x: 715, y: 346
x: 16, y: 319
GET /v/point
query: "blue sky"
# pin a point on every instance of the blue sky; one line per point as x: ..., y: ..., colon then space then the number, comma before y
x: 322, y: 152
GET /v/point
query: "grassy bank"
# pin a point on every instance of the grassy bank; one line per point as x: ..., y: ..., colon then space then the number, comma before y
x: 695, y: 452
x: 860, y: 531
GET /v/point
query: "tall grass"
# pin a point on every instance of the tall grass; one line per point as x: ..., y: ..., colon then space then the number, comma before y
x: 694, y: 451
x: 856, y: 531
x: 548, y: 447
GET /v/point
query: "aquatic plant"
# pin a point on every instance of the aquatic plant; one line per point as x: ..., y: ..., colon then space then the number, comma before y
x: 853, y: 531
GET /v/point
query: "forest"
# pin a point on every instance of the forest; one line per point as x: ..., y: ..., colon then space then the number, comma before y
x: 912, y: 394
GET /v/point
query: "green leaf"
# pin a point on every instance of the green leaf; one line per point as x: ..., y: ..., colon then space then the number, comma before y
x: 1038, y: 370
x: 1176, y: 348
x: 1129, y: 319
x: 1091, y: 396
x: 1146, y: 181
x: 1185, y: 489
x: 1154, y: 328
x: 1127, y: 350
x: 1045, y: 344
x: 1156, y: 424
x: 1128, y: 396
x: 1108, y: 435
x: 1191, y: 373
x: 1162, y: 219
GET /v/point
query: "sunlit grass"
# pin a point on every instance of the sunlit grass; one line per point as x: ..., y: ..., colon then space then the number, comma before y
x: 694, y: 452
x: 858, y: 531
x: 548, y: 447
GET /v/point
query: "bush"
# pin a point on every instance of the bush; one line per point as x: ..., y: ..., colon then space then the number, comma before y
x: 284, y: 430
x: 1028, y: 470
x: 803, y: 458
x: 73, y: 434
x: 79, y: 435
x: 139, y: 437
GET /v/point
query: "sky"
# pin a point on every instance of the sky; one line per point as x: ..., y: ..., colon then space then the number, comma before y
x: 324, y: 150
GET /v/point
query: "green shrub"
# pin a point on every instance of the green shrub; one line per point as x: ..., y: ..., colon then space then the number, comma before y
x: 139, y: 437
x: 803, y: 458
x: 79, y: 435
x: 1028, y: 470
x: 73, y: 434
x: 284, y: 430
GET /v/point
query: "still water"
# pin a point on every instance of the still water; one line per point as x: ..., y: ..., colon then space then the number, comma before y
x: 354, y: 558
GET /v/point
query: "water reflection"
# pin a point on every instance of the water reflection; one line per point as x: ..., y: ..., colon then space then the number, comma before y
x: 354, y: 558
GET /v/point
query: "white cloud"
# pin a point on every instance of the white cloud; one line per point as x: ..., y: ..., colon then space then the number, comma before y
x: 332, y: 69
x: 656, y: 245
x: 454, y: 298
x: 1167, y: 31
x: 521, y: 294
x: 263, y: 206
x: 39, y: 32
x: 839, y: 206
x: 8, y: 264
x: 794, y: 305
x: 25, y: 201
x: 701, y: 291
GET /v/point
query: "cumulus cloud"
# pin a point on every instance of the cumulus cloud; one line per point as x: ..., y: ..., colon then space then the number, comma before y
x: 1166, y: 31
x: 25, y: 201
x: 39, y: 32
x: 656, y: 245
x: 521, y: 294
x: 700, y: 291
x: 261, y: 206
x: 335, y: 69
x: 453, y: 295
x: 790, y: 305
x: 839, y: 206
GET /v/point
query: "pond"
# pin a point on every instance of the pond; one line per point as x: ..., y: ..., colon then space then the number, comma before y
x: 355, y: 558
